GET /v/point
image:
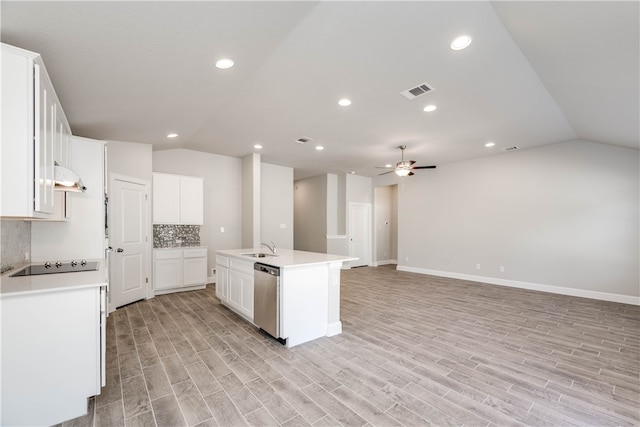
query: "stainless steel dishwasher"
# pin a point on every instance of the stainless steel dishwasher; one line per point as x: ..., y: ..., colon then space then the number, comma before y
x: 266, y: 298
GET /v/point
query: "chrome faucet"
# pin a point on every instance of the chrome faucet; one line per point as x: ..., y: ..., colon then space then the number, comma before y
x: 272, y: 248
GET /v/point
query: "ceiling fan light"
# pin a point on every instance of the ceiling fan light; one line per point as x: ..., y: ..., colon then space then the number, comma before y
x: 402, y: 172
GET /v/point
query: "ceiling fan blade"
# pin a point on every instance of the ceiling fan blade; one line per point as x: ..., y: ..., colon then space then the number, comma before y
x: 383, y: 167
x: 423, y: 167
x: 411, y: 173
x: 411, y: 162
x: 384, y: 173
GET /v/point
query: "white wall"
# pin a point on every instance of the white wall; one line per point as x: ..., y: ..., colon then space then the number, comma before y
x: 310, y: 214
x: 222, y: 194
x: 131, y: 159
x: 251, y: 201
x: 563, y: 217
x: 276, y: 199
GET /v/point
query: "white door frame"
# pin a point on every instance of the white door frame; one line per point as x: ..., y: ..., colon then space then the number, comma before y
x: 367, y: 228
x: 119, y: 177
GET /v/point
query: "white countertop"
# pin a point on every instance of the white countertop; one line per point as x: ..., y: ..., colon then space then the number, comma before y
x: 286, y: 257
x: 12, y: 286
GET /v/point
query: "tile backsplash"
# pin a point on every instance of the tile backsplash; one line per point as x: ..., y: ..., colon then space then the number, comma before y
x: 15, y: 241
x: 170, y: 236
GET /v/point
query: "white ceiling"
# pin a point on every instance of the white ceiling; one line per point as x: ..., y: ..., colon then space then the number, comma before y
x: 536, y: 73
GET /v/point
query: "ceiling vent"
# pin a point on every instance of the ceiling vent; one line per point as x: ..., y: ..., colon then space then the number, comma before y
x: 303, y: 140
x: 514, y: 148
x: 417, y: 91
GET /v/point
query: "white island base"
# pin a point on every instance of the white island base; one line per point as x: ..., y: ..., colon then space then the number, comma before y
x: 309, y: 302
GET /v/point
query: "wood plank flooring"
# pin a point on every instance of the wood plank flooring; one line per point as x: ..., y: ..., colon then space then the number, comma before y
x: 415, y: 350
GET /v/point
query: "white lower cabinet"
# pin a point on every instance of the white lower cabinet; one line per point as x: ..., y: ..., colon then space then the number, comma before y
x: 179, y: 269
x: 235, y: 284
x: 51, y: 355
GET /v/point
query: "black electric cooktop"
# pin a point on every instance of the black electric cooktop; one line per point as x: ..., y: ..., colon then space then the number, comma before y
x: 57, y: 267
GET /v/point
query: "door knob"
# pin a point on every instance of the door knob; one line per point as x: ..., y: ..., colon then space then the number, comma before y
x: 119, y: 250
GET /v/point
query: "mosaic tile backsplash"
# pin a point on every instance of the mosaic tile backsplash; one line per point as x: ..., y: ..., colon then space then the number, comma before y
x: 15, y: 241
x: 171, y: 236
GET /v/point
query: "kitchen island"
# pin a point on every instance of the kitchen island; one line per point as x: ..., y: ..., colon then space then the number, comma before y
x: 309, y: 290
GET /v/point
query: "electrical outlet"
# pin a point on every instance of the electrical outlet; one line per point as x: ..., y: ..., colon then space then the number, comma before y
x: 27, y: 255
x: 477, y: 266
x: 406, y: 259
x: 222, y: 229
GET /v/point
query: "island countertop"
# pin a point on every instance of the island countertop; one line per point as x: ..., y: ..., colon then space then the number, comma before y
x: 286, y: 257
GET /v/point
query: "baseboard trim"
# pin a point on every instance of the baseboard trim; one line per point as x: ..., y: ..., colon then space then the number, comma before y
x: 604, y: 296
x: 384, y: 262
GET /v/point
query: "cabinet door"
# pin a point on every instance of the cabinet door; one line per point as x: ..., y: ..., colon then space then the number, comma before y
x: 191, y: 200
x: 166, y: 196
x: 45, y: 132
x: 168, y: 273
x: 50, y: 355
x: 222, y: 283
x: 195, y: 271
x: 241, y: 293
x: 63, y: 136
x: 246, y: 306
x: 235, y: 289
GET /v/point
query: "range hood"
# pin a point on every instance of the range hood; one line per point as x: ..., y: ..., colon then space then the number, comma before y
x: 67, y: 180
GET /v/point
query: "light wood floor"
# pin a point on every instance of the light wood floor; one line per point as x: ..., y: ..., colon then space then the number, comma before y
x: 415, y: 350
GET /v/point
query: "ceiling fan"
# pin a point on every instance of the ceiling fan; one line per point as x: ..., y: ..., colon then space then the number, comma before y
x: 404, y: 168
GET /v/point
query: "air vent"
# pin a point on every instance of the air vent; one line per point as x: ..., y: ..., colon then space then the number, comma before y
x: 417, y: 91
x: 303, y: 140
x: 510, y: 148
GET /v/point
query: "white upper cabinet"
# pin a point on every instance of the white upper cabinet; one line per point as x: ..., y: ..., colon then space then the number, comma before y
x: 178, y: 199
x: 35, y: 133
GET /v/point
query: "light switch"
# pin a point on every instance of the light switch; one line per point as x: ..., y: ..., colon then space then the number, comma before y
x: 222, y: 229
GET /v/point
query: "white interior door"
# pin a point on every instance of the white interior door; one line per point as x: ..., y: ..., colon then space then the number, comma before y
x: 360, y: 233
x: 128, y: 215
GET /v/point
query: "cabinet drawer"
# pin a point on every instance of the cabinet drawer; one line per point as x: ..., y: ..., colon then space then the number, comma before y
x: 167, y: 254
x: 241, y: 265
x: 222, y: 260
x: 195, y: 253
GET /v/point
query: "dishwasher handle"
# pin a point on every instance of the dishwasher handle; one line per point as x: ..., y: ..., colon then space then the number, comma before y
x: 268, y: 269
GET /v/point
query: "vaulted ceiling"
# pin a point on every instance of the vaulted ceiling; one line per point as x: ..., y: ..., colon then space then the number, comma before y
x: 535, y: 73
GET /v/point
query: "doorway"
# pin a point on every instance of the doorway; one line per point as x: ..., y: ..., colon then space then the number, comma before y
x: 360, y: 233
x: 129, y: 237
x: 385, y: 225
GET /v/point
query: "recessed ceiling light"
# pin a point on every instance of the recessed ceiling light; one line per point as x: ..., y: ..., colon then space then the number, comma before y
x: 490, y: 144
x: 172, y: 135
x: 319, y: 147
x: 257, y: 146
x: 352, y: 172
x: 344, y: 102
x: 430, y: 108
x: 224, y: 64
x: 461, y: 42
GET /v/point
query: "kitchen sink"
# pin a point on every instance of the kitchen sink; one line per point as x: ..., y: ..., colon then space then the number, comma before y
x: 258, y: 254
